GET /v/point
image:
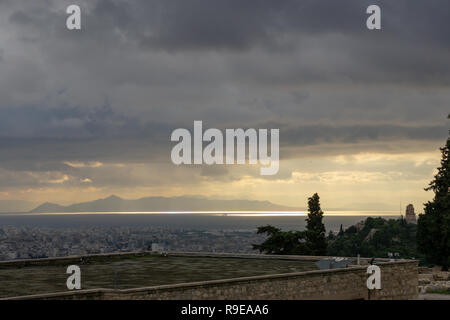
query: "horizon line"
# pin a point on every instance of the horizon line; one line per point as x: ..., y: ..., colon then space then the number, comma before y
x: 237, y: 213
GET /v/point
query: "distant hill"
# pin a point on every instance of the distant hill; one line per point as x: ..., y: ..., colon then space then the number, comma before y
x: 117, y: 204
x: 49, y: 207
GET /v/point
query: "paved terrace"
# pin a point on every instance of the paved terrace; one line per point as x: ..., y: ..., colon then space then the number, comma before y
x: 124, y: 271
x: 147, y: 275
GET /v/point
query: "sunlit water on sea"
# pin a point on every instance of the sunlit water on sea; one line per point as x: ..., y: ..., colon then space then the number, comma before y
x: 199, y: 220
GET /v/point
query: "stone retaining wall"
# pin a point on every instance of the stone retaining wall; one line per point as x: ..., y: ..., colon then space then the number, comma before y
x: 399, y: 280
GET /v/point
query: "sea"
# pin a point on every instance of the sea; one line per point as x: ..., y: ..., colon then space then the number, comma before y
x: 189, y: 220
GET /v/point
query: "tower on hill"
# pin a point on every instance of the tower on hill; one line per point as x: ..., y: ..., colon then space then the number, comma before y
x: 410, y: 215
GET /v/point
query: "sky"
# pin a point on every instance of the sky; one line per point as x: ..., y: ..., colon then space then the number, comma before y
x: 89, y: 113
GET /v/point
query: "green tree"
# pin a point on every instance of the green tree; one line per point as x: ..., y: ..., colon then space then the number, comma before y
x: 279, y: 242
x: 315, y: 229
x: 433, y: 229
x: 312, y: 241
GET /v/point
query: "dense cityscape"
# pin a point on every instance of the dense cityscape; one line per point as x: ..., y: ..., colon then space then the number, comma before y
x: 40, y: 242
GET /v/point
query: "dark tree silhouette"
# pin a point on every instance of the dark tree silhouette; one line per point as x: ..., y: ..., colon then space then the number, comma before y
x: 341, y: 231
x: 433, y: 229
x: 279, y: 242
x: 309, y: 242
x: 315, y: 229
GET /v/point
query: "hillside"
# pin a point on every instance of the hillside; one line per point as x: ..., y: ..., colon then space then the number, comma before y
x: 375, y: 237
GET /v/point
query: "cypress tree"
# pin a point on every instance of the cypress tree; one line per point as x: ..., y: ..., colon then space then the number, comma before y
x: 341, y: 231
x: 315, y: 229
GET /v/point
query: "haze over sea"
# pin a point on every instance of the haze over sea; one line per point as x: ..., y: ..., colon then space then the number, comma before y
x: 198, y: 220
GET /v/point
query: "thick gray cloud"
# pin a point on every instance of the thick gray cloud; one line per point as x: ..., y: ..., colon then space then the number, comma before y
x: 114, y: 91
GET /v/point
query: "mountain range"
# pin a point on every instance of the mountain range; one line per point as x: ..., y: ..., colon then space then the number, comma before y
x: 148, y: 204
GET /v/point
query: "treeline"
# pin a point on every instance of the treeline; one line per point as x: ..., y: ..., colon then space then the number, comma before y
x: 377, y: 237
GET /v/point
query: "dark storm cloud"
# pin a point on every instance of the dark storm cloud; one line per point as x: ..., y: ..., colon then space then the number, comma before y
x: 413, y: 46
x: 239, y: 25
x: 316, y: 134
x: 114, y: 91
x: 149, y: 143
